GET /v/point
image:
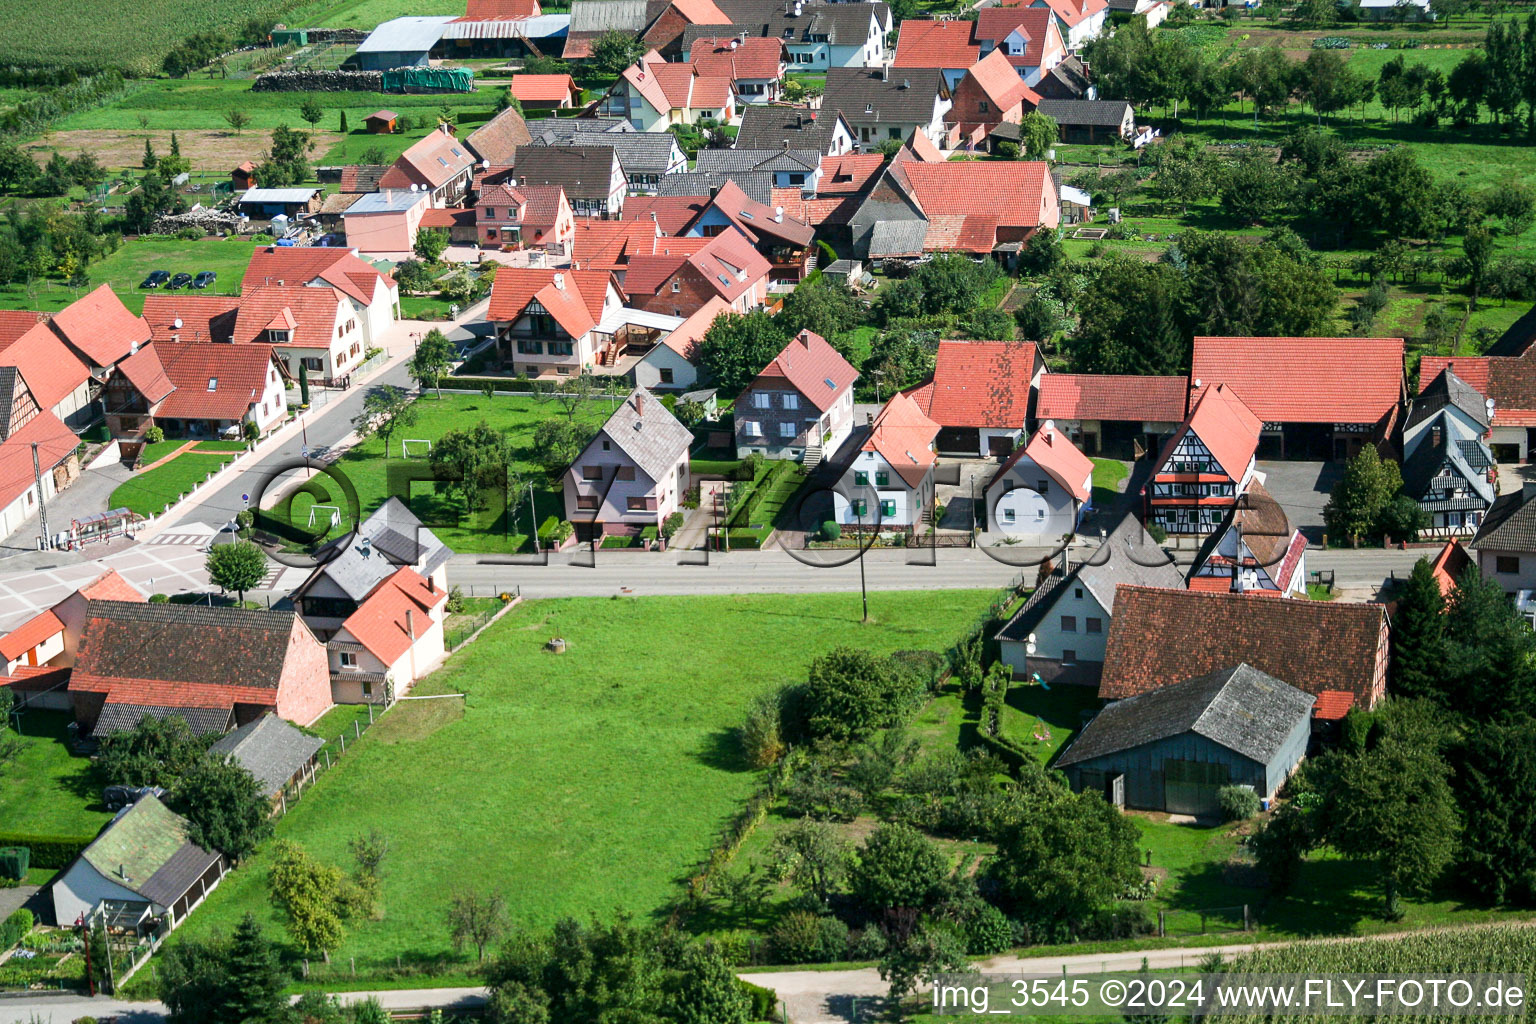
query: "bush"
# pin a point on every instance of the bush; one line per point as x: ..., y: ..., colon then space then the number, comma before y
x: 154, y: 435
x: 53, y: 852
x: 751, y: 467
x: 15, y: 927
x: 671, y: 525
x: 455, y: 600
x: 1238, y: 803
x: 14, y: 861
x: 762, y: 740
x: 190, y: 234
x: 765, y: 1001
x: 987, y: 930
x: 159, y: 599
x: 831, y: 530
x: 1157, y: 533
x: 852, y: 692
x: 796, y: 938
x: 868, y: 944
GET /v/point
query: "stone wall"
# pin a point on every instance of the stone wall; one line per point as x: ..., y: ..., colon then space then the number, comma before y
x: 304, y: 80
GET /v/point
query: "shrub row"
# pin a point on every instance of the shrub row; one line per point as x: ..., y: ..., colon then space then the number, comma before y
x: 15, y: 928
x: 53, y: 852
x: 742, y: 514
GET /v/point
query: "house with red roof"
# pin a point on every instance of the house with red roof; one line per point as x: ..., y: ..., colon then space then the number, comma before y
x: 56, y: 463
x: 753, y: 64
x: 1254, y: 551
x: 919, y: 207
x: 373, y: 296
x: 612, y: 245
x: 56, y: 379
x: 1317, y: 398
x: 781, y: 239
x: 990, y: 93
x: 216, y: 668
x: 51, y: 638
x: 318, y: 331
x: 632, y: 475
x: 529, y: 217
x: 1078, y: 20
x: 653, y: 95
x: 545, y: 92
x: 1113, y: 414
x: 1028, y: 36
x: 1206, y: 465
x: 670, y: 214
x: 393, y: 639
x: 887, y: 480
x: 1449, y: 565
x: 387, y: 223
x: 1042, y: 490
x: 186, y: 316
x: 948, y: 45
x: 546, y: 320
x: 980, y: 395
x: 1507, y: 387
x: 16, y: 322
x: 685, y: 273
x: 672, y: 364
x: 799, y: 406
x: 197, y: 390
x: 439, y: 164
x: 99, y: 329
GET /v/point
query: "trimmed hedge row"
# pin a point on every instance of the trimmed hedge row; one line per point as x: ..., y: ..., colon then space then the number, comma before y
x: 743, y: 513
x: 53, y: 852
x: 15, y: 928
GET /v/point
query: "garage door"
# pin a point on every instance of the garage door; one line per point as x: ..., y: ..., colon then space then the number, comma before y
x: 1190, y: 787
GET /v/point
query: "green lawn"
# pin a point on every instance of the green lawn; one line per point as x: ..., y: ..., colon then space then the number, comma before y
x: 1108, y: 480
x: 132, y: 262
x: 576, y: 783
x: 1058, y: 709
x: 46, y: 790
x: 516, y: 415
x: 151, y: 490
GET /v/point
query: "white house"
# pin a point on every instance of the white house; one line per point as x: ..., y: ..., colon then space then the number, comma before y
x: 632, y: 475
x: 374, y: 297
x: 393, y: 639
x: 888, y: 482
x: 141, y: 866
x: 672, y: 364
x: 1061, y: 631
x: 1042, y: 489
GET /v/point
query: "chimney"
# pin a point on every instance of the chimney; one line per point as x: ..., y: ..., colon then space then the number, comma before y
x: 786, y: 145
x: 906, y: 83
x: 1434, y: 434
x: 410, y: 624
x: 640, y: 403
x: 800, y: 120
x: 885, y: 72
x: 869, y: 418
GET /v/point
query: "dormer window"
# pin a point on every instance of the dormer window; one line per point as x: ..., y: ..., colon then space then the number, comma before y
x: 278, y: 337
x: 869, y: 108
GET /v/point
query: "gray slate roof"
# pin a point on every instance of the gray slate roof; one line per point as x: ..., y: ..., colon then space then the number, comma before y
x: 744, y: 161
x: 125, y: 717
x: 1068, y: 78
x: 649, y: 434
x: 1099, y: 113
x: 10, y: 380
x: 768, y: 126
x: 394, y: 537
x: 608, y: 15
x: 1127, y: 555
x: 555, y: 131
x: 1448, y: 389
x: 270, y: 749
x: 583, y: 171
x: 758, y: 185
x: 844, y: 24
x: 897, y: 238
x: 906, y: 98
x: 639, y: 152
x: 1239, y: 708
x: 1436, y: 465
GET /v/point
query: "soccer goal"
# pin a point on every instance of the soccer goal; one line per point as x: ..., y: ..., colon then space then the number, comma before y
x: 333, y: 510
x: 406, y: 442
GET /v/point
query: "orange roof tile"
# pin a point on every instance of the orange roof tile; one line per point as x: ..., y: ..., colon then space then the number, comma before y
x: 980, y: 384
x: 101, y: 327
x: 203, y: 317
x: 239, y: 374
x: 903, y: 437
x: 727, y: 263
x: 16, y: 322
x: 671, y: 214
x: 1094, y: 396
x: 684, y: 338
x: 701, y: 12
x: 1227, y: 427
x: 171, y: 693
x: 312, y: 311
x: 1000, y: 83
x: 1016, y: 190
x: 110, y: 586
x: 812, y: 367
x: 1305, y: 380
x: 1449, y: 564
x: 55, y: 442
x: 611, y: 244
x: 544, y: 88
x: 735, y: 58
x: 380, y: 622
x: 936, y: 44
x: 1053, y: 452
x: 1035, y: 24
x: 147, y: 376
x: 1333, y: 704
x: 29, y: 634
x: 50, y: 368
x: 340, y: 268
x: 852, y: 172
x: 500, y: 10
x: 576, y: 302
x: 432, y: 162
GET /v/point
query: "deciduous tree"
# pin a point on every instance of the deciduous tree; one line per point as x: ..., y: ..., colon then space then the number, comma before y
x: 387, y: 408
x: 239, y: 566
x: 477, y: 919
x: 311, y: 896
x: 432, y: 361
x: 225, y: 807
x: 897, y: 867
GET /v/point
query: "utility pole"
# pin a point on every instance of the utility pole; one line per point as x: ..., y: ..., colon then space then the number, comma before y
x: 863, y: 590
x: 42, y: 504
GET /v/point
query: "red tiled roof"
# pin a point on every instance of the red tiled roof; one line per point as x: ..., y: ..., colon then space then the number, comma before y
x: 1000, y: 83
x: 577, y: 305
x: 110, y: 586
x: 833, y: 209
x: 1069, y: 11
x: 101, y: 327
x: 203, y: 317
x: 755, y: 219
x: 499, y: 10
x: 544, y: 88
x: 147, y: 376
x: 727, y: 263
x: 903, y: 437
x: 1053, y: 452
x: 684, y: 339
x: 1034, y: 24
x: 1305, y: 380
x: 433, y: 161
x: 851, y: 172
x: 1015, y: 190
x: 1333, y: 704
x: 812, y: 367
x: 701, y: 12
x: 1449, y: 564
x: 315, y: 311
x: 241, y: 372
x: 672, y: 214
x: 735, y: 58
x: 50, y: 368
x: 922, y: 147
x: 1227, y: 427
x: 1092, y: 396
x: 447, y: 217
x: 36, y: 678
x: 170, y: 693
x: 1161, y: 636
x: 936, y: 44
x: 379, y: 623
x: 55, y: 443
x: 340, y: 268
x: 16, y: 322
x: 979, y: 384
x: 610, y: 244
x: 29, y: 634
x: 1509, y: 380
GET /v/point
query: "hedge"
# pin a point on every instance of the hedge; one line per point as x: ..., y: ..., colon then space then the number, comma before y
x: 54, y: 852
x: 743, y: 513
x: 15, y: 928
x: 765, y: 1001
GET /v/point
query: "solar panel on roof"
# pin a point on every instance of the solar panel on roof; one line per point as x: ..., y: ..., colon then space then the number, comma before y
x: 829, y: 383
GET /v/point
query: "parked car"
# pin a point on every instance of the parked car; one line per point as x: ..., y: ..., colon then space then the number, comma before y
x: 117, y: 797
x: 204, y: 279
x: 155, y: 279
x: 180, y: 281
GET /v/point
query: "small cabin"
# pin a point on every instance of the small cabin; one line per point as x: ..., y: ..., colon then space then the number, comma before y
x: 381, y: 122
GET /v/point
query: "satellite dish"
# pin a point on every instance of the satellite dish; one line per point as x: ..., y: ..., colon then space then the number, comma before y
x: 176, y: 323
x: 1029, y: 645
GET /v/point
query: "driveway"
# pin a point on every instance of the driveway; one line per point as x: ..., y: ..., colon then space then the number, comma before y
x: 86, y: 496
x: 1302, y: 489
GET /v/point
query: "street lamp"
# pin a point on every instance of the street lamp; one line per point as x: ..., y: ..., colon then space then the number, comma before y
x: 878, y: 374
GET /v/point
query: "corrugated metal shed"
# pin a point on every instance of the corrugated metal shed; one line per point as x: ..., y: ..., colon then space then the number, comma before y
x: 405, y: 35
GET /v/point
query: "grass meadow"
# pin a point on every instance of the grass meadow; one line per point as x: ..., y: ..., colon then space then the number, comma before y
x: 46, y: 791
x: 575, y: 783
x: 148, y: 491
x: 132, y: 262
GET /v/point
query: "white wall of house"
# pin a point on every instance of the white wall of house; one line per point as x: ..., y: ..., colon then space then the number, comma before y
x: 1064, y: 635
x: 24, y: 505
x: 1512, y: 570
x: 40, y: 654
x: 272, y: 408
x: 888, y: 501
x: 986, y: 434
x: 76, y: 408
x: 597, y: 471
x: 81, y: 887
x: 1027, y: 501
x: 659, y: 364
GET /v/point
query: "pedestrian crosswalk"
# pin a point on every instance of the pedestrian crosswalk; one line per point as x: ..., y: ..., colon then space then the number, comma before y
x: 188, y: 539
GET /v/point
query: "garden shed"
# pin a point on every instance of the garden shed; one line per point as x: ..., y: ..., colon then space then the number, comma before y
x: 381, y: 122
x: 1174, y: 748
